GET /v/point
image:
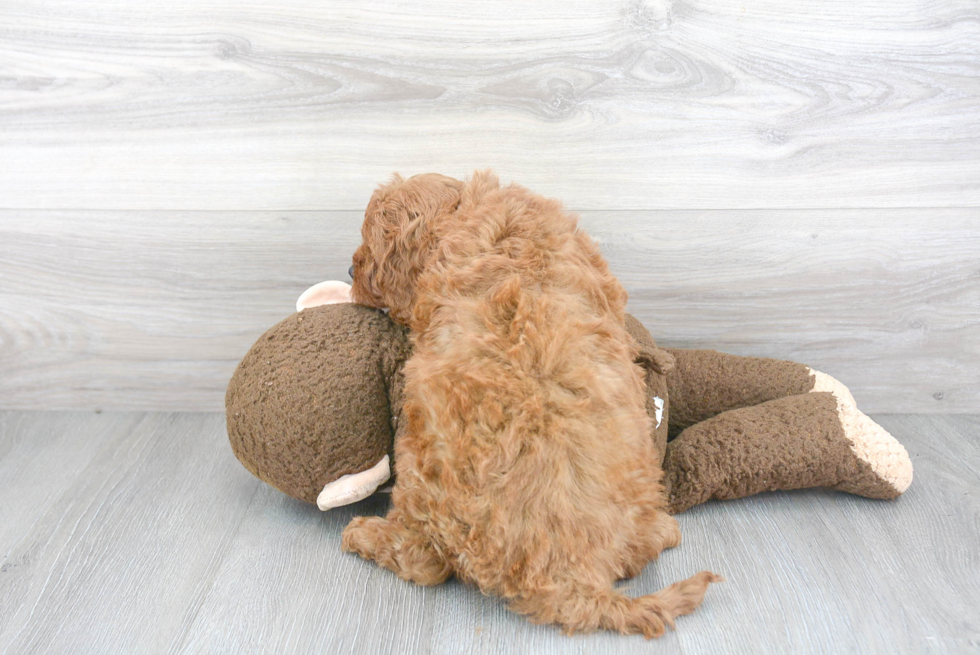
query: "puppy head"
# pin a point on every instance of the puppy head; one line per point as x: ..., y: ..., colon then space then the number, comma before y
x: 401, y: 229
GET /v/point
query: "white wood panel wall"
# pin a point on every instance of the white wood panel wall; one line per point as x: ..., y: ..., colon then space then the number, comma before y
x: 797, y: 180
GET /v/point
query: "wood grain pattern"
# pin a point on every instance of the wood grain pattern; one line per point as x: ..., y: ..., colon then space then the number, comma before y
x: 794, y: 180
x: 116, y: 557
x: 153, y: 310
x: 149, y: 536
x: 621, y: 105
x: 887, y: 302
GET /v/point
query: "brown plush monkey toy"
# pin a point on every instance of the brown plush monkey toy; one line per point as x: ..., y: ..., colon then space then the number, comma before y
x: 313, y: 410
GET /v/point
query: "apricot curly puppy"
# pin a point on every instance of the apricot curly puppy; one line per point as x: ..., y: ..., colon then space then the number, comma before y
x: 527, y: 466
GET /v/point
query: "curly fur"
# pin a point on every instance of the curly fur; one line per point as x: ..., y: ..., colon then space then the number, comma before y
x: 527, y: 466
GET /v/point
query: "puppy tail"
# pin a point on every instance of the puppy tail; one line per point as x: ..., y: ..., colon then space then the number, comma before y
x: 611, y: 610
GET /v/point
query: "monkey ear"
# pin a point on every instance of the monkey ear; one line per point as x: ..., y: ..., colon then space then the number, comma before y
x: 324, y: 293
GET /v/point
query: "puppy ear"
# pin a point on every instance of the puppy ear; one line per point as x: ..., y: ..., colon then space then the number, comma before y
x: 655, y: 359
x: 389, y: 269
x: 402, y: 224
x: 401, y: 239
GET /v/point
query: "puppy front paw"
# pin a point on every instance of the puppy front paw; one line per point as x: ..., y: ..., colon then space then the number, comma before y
x: 363, y: 536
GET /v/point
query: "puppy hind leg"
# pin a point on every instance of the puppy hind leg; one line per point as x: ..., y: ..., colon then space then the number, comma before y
x: 395, y: 546
x: 666, y: 532
x: 662, y: 533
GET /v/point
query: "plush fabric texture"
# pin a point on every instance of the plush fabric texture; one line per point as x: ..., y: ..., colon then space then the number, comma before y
x: 310, y: 401
x: 705, y: 383
x: 335, y: 390
x: 794, y: 442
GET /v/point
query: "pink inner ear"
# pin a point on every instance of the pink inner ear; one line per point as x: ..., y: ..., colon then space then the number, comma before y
x: 324, y: 293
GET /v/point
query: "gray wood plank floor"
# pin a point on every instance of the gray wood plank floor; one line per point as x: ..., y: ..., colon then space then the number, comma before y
x: 134, y: 532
